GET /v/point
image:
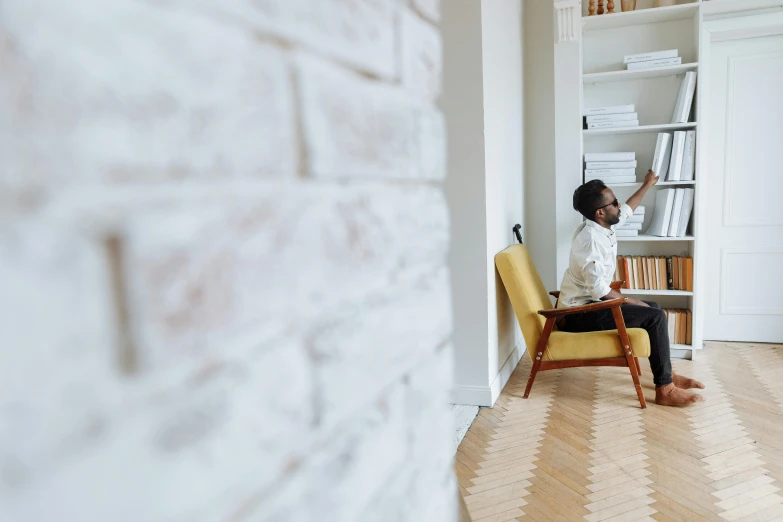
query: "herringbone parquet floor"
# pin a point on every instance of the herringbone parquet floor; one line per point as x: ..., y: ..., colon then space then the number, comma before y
x: 580, y: 448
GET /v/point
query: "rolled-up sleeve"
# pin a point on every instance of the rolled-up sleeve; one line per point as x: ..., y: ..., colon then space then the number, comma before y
x: 589, y: 259
x: 625, y: 212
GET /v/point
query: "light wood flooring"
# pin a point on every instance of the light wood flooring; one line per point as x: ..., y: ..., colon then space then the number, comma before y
x: 580, y: 448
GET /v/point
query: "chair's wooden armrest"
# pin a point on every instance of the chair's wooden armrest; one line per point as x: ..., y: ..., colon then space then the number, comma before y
x: 616, y: 285
x: 601, y: 305
x: 555, y: 294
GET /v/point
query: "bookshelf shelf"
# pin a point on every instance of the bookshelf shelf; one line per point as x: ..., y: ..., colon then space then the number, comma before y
x: 655, y: 292
x: 641, y: 16
x: 623, y: 76
x: 638, y: 184
x: 644, y: 237
x: 640, y: 129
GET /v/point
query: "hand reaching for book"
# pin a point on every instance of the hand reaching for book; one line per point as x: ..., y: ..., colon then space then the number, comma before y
x: 651, y: 178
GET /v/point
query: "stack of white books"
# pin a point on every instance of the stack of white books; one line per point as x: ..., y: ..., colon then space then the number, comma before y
x: 633, y: 225
x: 610, y: 167
x: 672, y: 212
x: 675, y: 156
x: 611, y: 117
x: 634, y: 62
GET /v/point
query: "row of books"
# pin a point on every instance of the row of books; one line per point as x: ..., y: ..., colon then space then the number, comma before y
x: 655, y: 272
x: 675, y: 156
x: 672, y: 212
x: 626, y: 116
x: 610, y: 117
x: 634, y: 62
x: 680, y: 322
x: 633, y: 225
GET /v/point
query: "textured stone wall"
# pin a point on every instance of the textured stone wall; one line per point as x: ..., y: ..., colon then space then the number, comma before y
x: 223, y: 291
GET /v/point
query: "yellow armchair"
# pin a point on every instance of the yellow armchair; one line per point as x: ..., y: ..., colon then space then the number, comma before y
x: 551, y: 349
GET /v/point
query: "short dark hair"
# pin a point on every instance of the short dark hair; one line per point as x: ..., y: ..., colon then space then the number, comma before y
x: 588, y: 198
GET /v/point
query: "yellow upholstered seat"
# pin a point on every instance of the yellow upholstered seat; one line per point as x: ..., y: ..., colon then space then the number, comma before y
x: 528, y: 296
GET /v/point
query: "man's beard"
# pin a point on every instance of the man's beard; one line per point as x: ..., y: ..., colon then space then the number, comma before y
x: 614, y: 220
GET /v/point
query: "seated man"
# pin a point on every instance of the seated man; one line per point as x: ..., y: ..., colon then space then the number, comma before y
x: 590, y: 270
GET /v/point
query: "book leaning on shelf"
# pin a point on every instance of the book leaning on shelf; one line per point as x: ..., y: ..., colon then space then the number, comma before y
x: 672, y: 212
x: 682, y: 108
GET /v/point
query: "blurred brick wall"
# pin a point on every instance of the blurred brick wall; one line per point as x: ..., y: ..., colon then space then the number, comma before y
x: 223, y: 285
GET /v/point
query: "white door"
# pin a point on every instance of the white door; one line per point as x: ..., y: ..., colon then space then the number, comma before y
x: 742, y: 218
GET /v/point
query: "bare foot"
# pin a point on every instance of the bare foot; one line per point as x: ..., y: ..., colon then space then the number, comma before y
x: 670, y: 395
x: 686, y: 383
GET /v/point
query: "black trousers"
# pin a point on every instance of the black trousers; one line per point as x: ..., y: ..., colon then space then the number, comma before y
x: 652, y: 319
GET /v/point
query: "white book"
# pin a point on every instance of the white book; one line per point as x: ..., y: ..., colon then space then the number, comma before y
x: 610, y: 173
x: 688, y: 157
x: 646, y: 57
x: 629, y: 226
x: 685, y: 213
x: 663, y: 151
x: 611, y: 164
x: 615, y: 109
x: 682, y: 109
x: 639, y: 210
x: 664, y: 200
x: 674, y: 222
x: 636, y: 218
x: 626, y: 233
x: 613, y: 124
x: 613, y: 117
x: 613, y: 179
x: 675, y: 163
x: 652, y: 64
x: 610, y: 156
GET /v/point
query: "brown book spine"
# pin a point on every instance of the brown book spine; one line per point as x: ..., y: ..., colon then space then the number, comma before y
x: 689, y: 274
x: 688, y: 327
x: 628, y: 275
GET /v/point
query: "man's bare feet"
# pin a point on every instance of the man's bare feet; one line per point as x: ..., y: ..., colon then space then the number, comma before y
x: 685, y: 383
x: 670, y: 395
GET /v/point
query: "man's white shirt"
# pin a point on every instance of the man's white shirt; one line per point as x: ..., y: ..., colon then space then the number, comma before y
x: 592, y: 263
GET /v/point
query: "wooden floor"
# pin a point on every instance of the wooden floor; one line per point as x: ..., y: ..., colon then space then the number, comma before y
x: 580, y: 448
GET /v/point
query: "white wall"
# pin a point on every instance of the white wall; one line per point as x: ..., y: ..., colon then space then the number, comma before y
x: 540, y: 217
x: 501, y: 22
x: 462, y: 103
x: 482, y: 101
x: 223, y: 244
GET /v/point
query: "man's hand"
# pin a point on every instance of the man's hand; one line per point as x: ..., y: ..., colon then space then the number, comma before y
x: 650, y: 179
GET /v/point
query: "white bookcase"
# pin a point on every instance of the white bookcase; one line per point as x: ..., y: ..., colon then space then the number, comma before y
x: 606, y: 39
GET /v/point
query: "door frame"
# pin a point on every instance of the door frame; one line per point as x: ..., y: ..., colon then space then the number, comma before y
x: 713, y: 31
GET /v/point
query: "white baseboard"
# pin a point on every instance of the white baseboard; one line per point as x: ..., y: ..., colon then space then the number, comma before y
x: 487, y: 395
x: 472, y: 395
x: 506, y: 370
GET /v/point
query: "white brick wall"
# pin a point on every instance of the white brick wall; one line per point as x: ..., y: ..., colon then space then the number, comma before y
x: 223, y: 261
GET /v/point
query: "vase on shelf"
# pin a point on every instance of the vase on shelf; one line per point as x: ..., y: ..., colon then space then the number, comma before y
x: 663, y: 3
x: 628, y: 5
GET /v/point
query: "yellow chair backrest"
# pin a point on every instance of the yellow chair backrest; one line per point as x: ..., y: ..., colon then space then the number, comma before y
x: 526, y: 291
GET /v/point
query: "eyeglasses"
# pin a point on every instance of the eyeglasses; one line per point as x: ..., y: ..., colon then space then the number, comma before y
x: 613, y: 203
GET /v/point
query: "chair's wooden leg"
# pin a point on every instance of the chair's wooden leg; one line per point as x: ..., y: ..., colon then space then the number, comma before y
x: 539, y: 355
x: 533, y: 372
x: 638, y: 366
x: 628, y: 353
